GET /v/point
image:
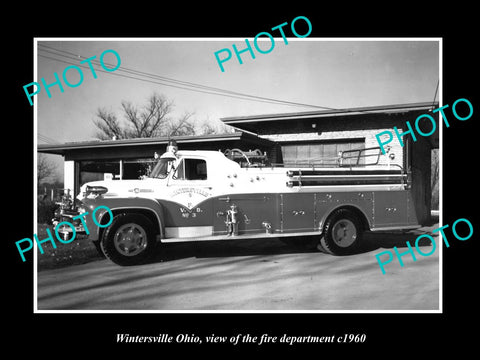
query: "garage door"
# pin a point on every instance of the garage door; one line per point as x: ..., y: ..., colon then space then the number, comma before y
x: 323, y: 153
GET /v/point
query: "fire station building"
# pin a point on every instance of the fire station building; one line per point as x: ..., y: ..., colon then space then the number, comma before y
x: 313, y: 138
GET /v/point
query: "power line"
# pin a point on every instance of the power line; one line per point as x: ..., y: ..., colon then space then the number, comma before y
x: 46, y: 139
x: 191, y: 86
x: 185, y: 85
x: 159, y: 77
x: 136, y: 72
x: 160, y: 83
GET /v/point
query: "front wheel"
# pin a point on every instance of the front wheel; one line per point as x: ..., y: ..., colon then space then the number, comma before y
x: 342, y: 233
x: 129, y: 240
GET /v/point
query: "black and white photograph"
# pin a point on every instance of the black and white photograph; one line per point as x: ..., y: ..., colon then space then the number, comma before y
x: 271, y: 185
x: 199, y: 193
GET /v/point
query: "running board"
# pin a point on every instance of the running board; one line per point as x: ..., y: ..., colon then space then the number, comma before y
x: 238, y: 237
x: 392, y: 228
x: 268, y: 235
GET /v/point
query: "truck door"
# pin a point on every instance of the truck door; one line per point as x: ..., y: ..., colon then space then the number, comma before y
x: 188, y: 210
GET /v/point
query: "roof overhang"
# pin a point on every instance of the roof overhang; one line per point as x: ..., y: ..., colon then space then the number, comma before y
x: 256, y: 124
x: 62, y: 149
x: 309, y: 115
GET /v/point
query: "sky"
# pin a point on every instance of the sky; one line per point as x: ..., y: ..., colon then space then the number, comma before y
x: 323, y: 72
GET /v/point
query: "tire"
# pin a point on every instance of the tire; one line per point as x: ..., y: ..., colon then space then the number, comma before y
x: 342, y: 233
x: 129, y: 240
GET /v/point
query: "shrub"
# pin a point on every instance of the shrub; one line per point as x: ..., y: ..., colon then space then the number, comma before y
x: 45, y: 211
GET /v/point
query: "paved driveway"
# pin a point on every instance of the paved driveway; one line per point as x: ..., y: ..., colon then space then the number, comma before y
x: 251, y: 275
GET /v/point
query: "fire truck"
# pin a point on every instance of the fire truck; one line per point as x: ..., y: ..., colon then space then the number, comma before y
x: 192, y: 196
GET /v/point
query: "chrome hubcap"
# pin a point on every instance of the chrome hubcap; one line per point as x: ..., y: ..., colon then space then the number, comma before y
x: 130, y: 239
x: 344, y: 233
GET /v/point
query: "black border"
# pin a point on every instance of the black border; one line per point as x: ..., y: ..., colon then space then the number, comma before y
x: 92, y: 333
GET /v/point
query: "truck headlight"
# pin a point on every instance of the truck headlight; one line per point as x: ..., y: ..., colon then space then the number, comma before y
x: 95, y: 190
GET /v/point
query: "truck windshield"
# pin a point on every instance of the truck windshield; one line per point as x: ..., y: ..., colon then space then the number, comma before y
x: 161, y: 169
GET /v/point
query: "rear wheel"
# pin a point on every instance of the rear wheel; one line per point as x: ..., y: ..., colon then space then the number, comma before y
x: 342, y: 233
x: 129, y: 240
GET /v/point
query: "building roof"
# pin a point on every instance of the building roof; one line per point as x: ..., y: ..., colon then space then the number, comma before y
x: 62, y: 149
x: 237, y: 121
x: 244, y: 123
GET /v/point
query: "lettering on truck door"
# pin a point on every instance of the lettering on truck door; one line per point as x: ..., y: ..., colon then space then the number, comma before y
x: 188, y: 210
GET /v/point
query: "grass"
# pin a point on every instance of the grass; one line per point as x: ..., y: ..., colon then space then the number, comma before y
x: 79, y: 251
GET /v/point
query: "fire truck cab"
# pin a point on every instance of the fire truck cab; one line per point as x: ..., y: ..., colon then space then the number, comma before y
x: 194, y: 196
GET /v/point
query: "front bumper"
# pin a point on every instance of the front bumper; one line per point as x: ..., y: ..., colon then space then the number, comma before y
x: 65, y: 224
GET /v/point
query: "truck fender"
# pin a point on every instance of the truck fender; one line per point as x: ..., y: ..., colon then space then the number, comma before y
x: 365, y: 219
x: 149, y: 207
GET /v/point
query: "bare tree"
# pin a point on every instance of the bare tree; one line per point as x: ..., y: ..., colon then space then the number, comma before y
x: 45, y: 168
x: 183, y: 126
x: 209, y: 127
x: 435, y: 169
x: 108, y: 125
x: 150, y: 120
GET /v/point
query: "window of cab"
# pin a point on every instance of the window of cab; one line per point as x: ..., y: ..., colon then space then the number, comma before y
x: 191, y: 169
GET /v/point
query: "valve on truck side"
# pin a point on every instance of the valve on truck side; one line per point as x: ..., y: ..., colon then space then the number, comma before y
x: 231, y: 221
